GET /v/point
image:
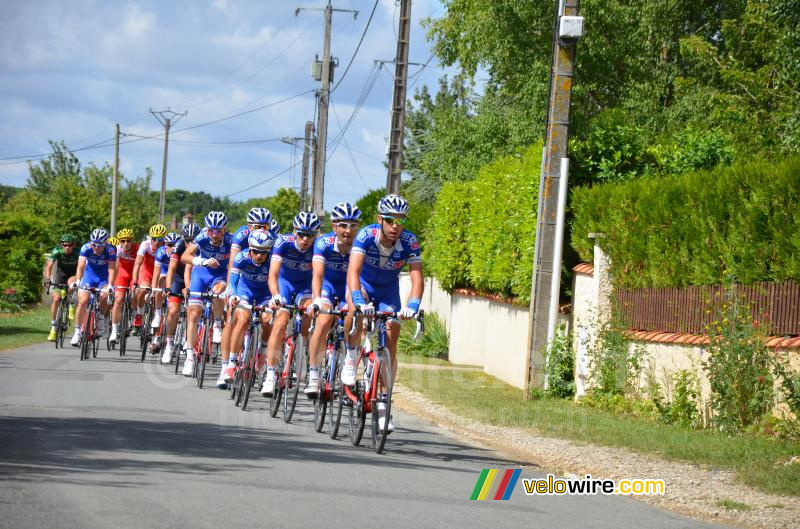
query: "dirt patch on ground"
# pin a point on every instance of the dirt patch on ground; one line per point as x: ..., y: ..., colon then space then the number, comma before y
x: 692, y: 490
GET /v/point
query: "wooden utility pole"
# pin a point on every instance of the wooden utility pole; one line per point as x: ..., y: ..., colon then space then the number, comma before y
x: 568, y: 29
x: 114, y: 183
x: 399, y: 100
x: 306, y: 157
x: 318, y: 181
x: 162, y: 117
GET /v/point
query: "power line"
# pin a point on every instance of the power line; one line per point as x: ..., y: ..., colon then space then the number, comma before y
x: 347, y: 146
x: 28, y: 157
x: 192, y: 142
x: 268, y: 179
x: 347, y: 68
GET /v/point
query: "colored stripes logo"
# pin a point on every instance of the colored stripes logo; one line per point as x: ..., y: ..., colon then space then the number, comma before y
x: 494, y: 484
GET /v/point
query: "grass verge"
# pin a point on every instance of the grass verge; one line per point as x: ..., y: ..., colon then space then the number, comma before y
x: 24, y: 327
x: 757, y: 461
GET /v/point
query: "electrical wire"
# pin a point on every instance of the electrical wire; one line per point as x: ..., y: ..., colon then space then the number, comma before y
x: 268, y: 179
x: 360, y: 41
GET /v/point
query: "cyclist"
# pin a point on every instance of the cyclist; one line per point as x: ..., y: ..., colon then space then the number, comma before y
x: 160, y: 267
x: 177, y: 278
x: 143, y: 269
x: 331, y: 256
x: 248, y: 284
x: 126, y: 257
x: 257, y: 219
x: 67, y: 259
x: 379, y: 253
x: 208, y: 254
x: 289, y: 282
x: 97, y: 265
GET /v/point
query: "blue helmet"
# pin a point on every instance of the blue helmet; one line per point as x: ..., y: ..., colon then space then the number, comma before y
x: 306, y: 221
x: 260, y: 216
x: 172, y: 238
x: 393, y: 205
x: 98, y: 236
x: 274, y: 227
x: 190, y: 231
x: 216, y: 220
x: 345, y: 211
x: 260, y: 240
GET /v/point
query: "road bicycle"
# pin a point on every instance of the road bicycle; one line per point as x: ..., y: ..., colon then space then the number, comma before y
x: 90, y: 336
x: 329, y: 398
x: 206, y: 350
x: 125, y: 320
x: 62, y: 313
x: 374, y: 388
x: 180, y: 333
x: 290, y: 368
x: 246, y: 376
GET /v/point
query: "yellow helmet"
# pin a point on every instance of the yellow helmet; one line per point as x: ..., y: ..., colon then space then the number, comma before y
x: 113, y: 241
x: 158, y: 231
x: 125, y: 234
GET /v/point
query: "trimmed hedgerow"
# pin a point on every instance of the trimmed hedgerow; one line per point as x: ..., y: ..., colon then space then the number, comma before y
x: 482, y: 232
x: 736, y: 223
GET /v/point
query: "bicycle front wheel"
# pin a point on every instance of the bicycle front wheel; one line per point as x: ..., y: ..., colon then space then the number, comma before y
x: 292, y: 382
x: 59, y: 328
x: 336, y: 396
x: 382, y: 400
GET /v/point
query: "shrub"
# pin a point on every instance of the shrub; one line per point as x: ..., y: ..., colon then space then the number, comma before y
x: 560, y: 368
x: 614, y: 363
x: 447, y: 255
x: 434, y: 342
x: 22, y: 244
x: 738, y: 369
x: 682, y: 410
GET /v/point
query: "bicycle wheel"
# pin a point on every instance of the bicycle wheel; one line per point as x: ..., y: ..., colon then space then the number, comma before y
x: 88, y: 329
x: 95, y: 343
x: 357, y: 420
x: 379, y: 433
x: 321, y: 401
x: 177, y: 346
x: 275, y: 399
x: 293, y: 383
x: 207, y: 345
x: 63, y: 323
x: 336, y: 396
x: 59, y: 328
x: 249, y: 370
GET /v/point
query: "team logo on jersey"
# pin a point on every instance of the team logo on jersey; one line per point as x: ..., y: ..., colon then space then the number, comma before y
x: 414, y: 245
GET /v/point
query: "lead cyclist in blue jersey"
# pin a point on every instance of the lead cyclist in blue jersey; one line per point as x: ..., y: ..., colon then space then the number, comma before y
x: 289, y: 283
x: 379, y: 253
x: 208, y: 254
x: 97, y: 265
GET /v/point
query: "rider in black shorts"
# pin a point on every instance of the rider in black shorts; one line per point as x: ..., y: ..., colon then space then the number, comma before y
x: 66, y: 257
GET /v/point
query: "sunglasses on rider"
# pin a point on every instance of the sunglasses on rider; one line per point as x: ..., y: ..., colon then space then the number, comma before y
x: 306, y: 234
x: 391, y: 221
x: 216, y: 230
x: 67, y: 244
x: 259, y: 252
x: 260, y: 226
x: 346, y: 225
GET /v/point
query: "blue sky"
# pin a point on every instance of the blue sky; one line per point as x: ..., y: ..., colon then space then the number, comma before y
x: 71, y: 70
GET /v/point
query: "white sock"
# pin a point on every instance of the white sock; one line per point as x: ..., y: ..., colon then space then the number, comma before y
x: 115, y: 327
x: 169, y: 340
x: 313, y: 373
x: 352, y: 352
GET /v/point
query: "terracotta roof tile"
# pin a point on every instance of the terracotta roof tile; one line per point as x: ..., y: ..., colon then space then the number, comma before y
x: 584, y: 268
x: 790, y: 342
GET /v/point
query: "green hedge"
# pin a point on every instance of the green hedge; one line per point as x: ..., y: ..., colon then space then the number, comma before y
x: 23, y: 240
x: 737, y: 223
x: 482, y: 232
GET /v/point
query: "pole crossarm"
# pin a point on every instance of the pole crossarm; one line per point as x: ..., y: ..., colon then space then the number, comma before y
x: 165, y: 117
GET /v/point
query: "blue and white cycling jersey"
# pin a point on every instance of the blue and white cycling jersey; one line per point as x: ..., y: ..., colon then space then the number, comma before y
x: 295, y: 265
x: 162, y: 258
x: 96, y: 272
x: 382, y: 266
x: 326, y: 250
x: 207, y: 250
x: 248, y: 279
x: 239, y: 239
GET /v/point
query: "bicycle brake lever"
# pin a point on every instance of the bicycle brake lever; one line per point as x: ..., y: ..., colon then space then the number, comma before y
x: 356, y: 314
x: 420, y: 324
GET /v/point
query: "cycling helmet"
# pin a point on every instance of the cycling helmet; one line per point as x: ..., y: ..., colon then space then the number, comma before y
x: 260, y: 216
x: 172, y: 238
x: 125, y: 234
x: 345, y: 211
x: 260, y: 240
x: 393, y: 205
x: 113, y: 241
x: 68, y: 237
x: 274, y: 227
x: 216, y: 220
x: 190, y: 231
x: 306, y: 221
x: 98, y: 236
x: 157, y: 231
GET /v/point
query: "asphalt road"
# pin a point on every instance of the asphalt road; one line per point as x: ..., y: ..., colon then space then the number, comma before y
x: 112, y: 442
